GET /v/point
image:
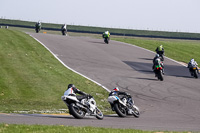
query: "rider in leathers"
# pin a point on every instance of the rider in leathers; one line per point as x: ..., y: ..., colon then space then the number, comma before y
x: 106, y: 34
x: 160, y: 50
x: 192, y: 64
x: 72, y: 90
x: 157, y: 61
x: 121, y: 94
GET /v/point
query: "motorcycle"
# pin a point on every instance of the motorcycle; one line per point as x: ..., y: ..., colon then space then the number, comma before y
x: 194, y: 71
x: 37, y: 27
x: 123, y: 106
x: 64, y: 30
x: 159, y: 72
x: 79, y: 109
x: 106, y: 40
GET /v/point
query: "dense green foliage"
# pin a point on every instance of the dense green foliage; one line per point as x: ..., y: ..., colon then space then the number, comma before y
x: 32, y: 79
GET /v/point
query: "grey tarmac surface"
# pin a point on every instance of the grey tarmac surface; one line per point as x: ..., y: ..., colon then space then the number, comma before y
x: 172, y: 104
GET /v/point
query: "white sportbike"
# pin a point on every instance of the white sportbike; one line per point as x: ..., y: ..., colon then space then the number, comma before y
x: 80, y: 108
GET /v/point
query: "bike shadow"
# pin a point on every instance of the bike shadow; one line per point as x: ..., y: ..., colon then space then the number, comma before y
x: 145, y: 58
x: 102, y: 43
x: 59, y: 116
x: 170, y: 70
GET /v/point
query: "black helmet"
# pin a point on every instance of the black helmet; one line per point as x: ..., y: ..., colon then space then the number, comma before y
x: 70, y: 86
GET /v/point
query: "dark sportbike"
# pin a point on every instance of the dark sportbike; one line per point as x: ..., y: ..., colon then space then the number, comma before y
x: 80, y: 108
x: 123, y: 106
x: 106, y: 40
x: 194, y: 71
x: 37, y: 27
x: 159, y: 72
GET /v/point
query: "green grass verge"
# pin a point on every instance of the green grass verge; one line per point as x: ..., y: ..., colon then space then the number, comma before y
x: 32, y: 79
x: 13, y: 128
x: 180, y: 50
x: 102, y: 29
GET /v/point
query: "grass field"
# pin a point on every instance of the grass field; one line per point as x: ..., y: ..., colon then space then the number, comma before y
x: 32, y: 79
x: 180, y: 50
x: 13, y: 128
x: 102, y: 29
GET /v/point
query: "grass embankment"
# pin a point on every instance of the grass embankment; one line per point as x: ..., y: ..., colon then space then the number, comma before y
x: 13, y: 128
x: 32, y: 79
x: 180, y: 50
x: 102, y: 29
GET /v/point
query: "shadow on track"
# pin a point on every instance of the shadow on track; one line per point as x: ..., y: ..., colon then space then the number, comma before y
x: 58, y: 116
x: 148, y: 79
x: 97, y: 42
x: 170, y: 70
x: 146, y: 59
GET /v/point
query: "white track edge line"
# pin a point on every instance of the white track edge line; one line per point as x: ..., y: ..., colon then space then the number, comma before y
x: 69, y: 67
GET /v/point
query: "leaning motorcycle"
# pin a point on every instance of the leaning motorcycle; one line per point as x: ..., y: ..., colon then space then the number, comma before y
x: 159, y: 72
x: 194, y: 71
x: 123, y: 106
x: 79, y: 109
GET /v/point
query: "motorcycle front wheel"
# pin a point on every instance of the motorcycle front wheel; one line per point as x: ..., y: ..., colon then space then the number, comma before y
x: 106, y: 40
x: 120, y: 110
x: 136, y: 112
x: 76, y: 111
x: 99, y: 114
x: 196, y: 74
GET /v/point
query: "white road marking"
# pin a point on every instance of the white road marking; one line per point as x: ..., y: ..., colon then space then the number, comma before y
x: 71, y: 68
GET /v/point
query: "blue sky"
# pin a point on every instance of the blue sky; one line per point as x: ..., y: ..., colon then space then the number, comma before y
x: 164, y: 15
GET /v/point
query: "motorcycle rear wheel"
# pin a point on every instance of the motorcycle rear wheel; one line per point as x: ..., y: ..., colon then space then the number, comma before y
x: 76, y: 112
x: 119, y: 110
x: 160, y: 76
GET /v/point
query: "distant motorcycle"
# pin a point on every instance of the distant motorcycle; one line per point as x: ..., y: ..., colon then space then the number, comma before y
x: 123, y: 106
x: 64, y: 29
x: 194, y: 71
x: 80, y: 108
x: 159, y: 72
x: 106, y: 40
x: 37, y: 27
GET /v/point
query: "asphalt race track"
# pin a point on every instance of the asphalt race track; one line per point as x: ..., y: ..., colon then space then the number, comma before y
x: 172, y: 104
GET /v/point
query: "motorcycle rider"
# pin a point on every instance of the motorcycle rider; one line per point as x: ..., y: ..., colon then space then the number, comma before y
x: 157, y: 61
x: 106, y: 34
x: 160, y: 50
x: 38, y: 26
x: 72, y: 90
x: 64, y: 29
x: 116, y: 92
x: 192, y: 64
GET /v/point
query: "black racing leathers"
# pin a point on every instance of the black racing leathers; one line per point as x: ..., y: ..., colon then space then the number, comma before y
x: 82, y: 94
